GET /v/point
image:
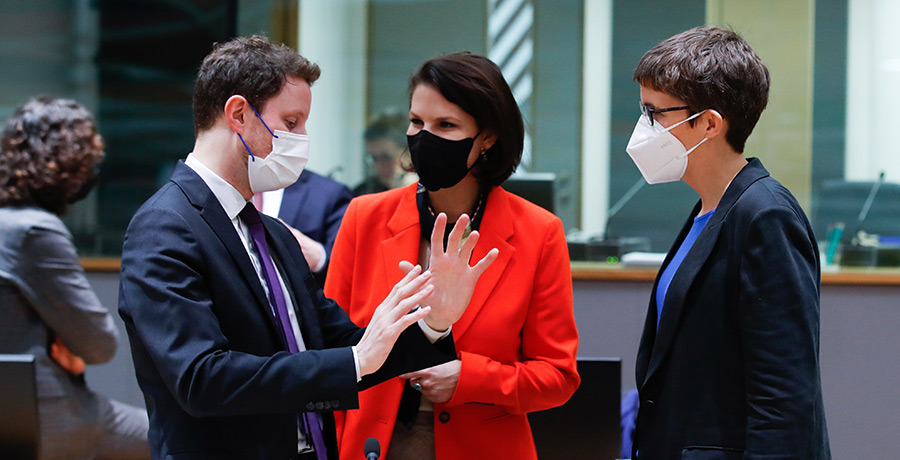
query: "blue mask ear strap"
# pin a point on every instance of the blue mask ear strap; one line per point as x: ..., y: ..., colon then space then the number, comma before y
x: 263, y: 122
x: 252, y: 158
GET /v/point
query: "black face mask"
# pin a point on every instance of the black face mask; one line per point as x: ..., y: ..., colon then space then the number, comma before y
x: 440, y: 163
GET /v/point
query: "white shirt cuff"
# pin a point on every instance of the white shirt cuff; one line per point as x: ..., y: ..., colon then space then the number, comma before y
x: 356, y: 363
x: 431, y: 334
x: 323, y: 257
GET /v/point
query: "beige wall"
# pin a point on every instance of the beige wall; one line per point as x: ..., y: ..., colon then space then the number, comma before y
x: 783, y: 35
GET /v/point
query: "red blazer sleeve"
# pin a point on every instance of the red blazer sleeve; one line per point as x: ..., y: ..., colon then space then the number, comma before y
x: 340, y: 269
x: 545, y: 374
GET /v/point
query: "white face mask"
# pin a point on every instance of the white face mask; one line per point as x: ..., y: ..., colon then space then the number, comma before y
x: 657, y: 153
x: 283, y: 166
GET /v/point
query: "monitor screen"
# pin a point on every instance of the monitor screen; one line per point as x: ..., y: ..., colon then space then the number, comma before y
x: 538, y: 188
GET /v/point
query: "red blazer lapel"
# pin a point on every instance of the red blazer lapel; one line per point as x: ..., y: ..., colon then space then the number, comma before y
x: 496, y: 229
x: 404, y: 235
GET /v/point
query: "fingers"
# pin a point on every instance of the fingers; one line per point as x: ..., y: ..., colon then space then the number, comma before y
x: 456, y: 234
x: 408, y: 278
x: 485, y: 262
x: 405, y: 267
x: 469, y: 246
x: 412, y: 375
x: 437, y: 234
x: 412, y: 289
x: 406, y: 320
x: 405, y: 306
x: 410, y: 283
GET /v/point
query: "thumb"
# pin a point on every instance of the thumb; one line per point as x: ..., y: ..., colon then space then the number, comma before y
x: 405, y: 266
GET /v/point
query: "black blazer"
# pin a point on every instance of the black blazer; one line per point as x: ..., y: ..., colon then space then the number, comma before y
x: 209, y: 359
x: 315, y: 205
x: 733, y: 371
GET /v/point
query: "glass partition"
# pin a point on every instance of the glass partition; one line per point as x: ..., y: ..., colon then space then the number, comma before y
x: 826, y: 134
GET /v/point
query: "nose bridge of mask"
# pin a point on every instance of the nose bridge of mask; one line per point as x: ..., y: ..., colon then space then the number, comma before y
x: 286, y: 141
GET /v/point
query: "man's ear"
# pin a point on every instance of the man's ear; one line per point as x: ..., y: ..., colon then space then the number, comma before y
x: 714, y: 123
x: 235, y: 109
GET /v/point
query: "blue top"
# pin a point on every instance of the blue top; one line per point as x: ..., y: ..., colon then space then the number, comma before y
x: 666, y: 279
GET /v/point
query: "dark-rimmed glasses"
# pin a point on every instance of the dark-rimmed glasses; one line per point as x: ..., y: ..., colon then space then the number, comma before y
x: 649, y: 111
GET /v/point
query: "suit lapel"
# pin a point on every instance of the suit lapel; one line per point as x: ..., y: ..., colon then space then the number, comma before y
x: 294, y: 275
x: 678, y: 288
x: 690, y: 267
x: 405, y: 236
x: 649, y: 336
x: 202, y: 198
x: 496, y: 229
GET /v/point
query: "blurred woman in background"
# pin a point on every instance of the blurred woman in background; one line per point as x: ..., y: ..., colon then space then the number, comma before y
x: 49, y: 156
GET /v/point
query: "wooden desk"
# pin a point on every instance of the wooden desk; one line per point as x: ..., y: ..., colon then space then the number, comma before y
x: 856, y: 276
x: 600, y: 271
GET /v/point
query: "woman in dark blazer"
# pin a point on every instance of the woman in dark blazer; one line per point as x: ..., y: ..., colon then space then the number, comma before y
x: 50, y: 152
x: 728, y: 365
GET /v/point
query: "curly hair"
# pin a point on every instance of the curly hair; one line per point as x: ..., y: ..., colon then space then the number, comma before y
x: 49, y: 152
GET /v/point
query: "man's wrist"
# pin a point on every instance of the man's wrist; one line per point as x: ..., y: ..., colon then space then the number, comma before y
x: 356, y: 363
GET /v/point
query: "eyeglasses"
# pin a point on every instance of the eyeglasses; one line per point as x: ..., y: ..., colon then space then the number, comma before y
x: 649, y: 111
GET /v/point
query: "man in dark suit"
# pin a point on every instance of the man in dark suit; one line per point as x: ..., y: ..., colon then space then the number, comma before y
x: 237, y: 351
x: 728, y: 364
x: 312, y: 208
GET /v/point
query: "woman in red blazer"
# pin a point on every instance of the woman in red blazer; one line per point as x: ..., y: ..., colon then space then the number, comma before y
x: 517, y: 340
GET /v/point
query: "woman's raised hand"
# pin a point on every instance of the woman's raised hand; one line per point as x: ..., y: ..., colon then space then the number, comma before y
x: 452, y: 277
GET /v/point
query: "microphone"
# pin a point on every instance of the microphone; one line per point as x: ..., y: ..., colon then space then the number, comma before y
x: 864, y: 250
x: 603, y: 248
x: 864, y: 212
x: 372, y: 449
x: 621, y: 203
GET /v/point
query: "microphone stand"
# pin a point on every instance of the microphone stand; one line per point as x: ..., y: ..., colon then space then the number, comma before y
x: 864, y: 212
x: 621, y: 203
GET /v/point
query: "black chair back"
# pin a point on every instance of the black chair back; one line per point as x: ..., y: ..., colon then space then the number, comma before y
x: 588, y: 426
x: 18, y: 408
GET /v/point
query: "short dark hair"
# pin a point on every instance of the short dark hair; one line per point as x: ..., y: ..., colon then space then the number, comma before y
x: 477, y: 86
x: 710, y: 68
x: 390, y: 124
x: 49, y: 150
x: 252, y: 67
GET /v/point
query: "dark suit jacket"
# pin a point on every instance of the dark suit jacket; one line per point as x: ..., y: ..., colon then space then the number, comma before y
x: 733, y: 371
x: 216, y: 378
x: 315, y: 205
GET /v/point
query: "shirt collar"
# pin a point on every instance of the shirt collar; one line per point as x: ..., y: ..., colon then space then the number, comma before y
x: 229, y: 197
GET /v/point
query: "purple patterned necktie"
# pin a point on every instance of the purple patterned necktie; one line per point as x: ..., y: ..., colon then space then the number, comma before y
x: 276, y: 297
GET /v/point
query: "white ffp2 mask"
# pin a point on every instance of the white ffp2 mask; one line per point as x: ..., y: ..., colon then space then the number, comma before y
x: 657, y: 153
